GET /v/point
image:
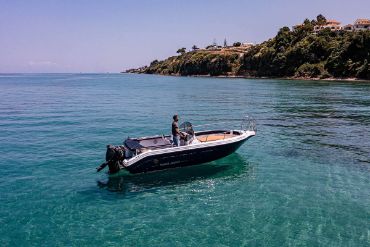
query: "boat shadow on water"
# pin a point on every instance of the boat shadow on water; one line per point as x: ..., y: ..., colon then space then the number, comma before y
x: 231, y: 167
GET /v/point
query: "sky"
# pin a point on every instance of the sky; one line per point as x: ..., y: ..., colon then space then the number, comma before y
x: 96, y: 36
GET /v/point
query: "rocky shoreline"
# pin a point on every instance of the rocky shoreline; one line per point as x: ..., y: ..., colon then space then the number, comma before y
x: 352, y: 79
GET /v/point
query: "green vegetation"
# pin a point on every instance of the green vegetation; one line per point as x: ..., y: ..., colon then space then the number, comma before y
x: 320, y: 20
x: 195, y: 63
x: 299, y: 53
x: 181, y: 50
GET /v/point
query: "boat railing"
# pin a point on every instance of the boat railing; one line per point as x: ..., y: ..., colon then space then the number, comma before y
x: 249, y: 124
x: 246, y: 124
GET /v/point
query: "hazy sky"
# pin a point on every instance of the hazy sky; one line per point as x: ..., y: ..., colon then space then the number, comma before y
x: 109, y: 36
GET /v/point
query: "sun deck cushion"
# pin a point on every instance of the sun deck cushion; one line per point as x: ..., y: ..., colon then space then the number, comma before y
x: 214, y: 137
x: 155, y: 142
x: 133, y: 144
x: 148, y: 143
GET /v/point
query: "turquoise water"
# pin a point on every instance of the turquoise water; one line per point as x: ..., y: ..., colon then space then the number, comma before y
x: 304, y: 180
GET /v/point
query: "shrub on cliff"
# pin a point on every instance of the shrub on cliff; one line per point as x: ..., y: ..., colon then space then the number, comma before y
x: 363, y: 72
x: 312, y: 71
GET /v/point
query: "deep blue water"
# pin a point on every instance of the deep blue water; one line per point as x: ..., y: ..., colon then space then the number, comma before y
x: 304, y: 180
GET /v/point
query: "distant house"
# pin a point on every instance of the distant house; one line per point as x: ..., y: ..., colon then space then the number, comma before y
x: 247, y: 44
x: 211, y: 47
x: 361, y: 24
x: 348, y: 27
x: 333, y: 25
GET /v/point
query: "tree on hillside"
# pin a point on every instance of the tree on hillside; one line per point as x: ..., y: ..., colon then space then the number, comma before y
x: 154, y: 62
x: 283, y: 38
x: 306, y: 22
x: 284, y: 30
x: 302, y: 31
x: 181, y: 50
x: 225, y: 43
x: 236, y: 44
x: 363, y: 72
x: 321, y: 20
x: 195, y: 48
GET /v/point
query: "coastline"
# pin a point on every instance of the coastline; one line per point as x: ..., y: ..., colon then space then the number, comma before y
x: 289, y: 55
x: 268, y: 78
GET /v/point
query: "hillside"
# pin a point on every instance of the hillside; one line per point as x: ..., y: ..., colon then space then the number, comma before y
x: 297, y: 53
x: 216, y: 62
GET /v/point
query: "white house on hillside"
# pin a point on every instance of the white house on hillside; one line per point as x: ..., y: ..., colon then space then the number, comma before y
x: 333, y: 25
x: 348, y: 27
x: 361, y: 24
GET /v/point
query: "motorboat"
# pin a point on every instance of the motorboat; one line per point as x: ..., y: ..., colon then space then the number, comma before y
x: 152, y: 153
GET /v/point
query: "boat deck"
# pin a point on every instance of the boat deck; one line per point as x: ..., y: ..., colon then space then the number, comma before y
x: 214, y: 137
x: 160, y: 142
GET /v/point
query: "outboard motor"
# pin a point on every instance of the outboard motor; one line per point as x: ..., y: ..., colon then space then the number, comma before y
x: 113, y: 158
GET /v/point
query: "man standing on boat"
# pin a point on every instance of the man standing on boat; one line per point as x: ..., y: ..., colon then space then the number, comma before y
x: 176, y: 133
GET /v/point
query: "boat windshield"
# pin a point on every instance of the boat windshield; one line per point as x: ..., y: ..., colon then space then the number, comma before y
x: 187, y: 127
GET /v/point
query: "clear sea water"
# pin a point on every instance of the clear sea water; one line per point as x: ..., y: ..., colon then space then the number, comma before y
x: 304, y: 180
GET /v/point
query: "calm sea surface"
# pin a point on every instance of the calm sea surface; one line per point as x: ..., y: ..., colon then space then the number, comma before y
x: 303, y: 180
